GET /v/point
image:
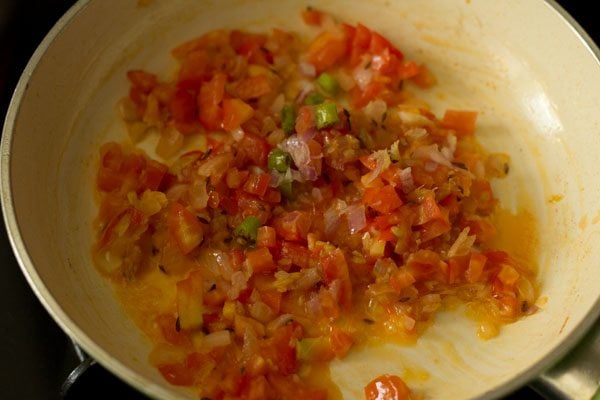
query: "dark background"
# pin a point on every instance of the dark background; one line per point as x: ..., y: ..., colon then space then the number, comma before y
x: 35, y: 356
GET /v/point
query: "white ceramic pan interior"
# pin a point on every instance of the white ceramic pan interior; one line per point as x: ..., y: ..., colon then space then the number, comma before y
x: 534, y: 80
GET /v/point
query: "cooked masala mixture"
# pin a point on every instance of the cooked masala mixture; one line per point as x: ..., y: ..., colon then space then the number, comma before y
x: 302, y: 201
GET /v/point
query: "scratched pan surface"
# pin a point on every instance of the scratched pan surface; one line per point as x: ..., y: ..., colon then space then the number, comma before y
x: 532, y: 77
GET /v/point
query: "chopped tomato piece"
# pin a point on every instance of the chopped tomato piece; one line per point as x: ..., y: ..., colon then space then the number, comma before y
x: 252, y: 87
x: 235, y: 178
x: 177, y: 374
x: 293, y: 225
x: 326, y: 50
x: 341, y: 342
x: 428, y: 210
x: 387, y: 387
x: 434, y: 228
x: 251, y: 46
x: 305, y: 120
x: 401, y: 279
x: 195, y: 69
x: 260, y: 260
x: 361, y: 98
x: 475, y: 268
x: 235, y: 113
x: 456, y: 268
x: 384, y: 200
x: 272, y: 298
x: 267, y: 237
x: 296, y: 253
x: 183, y: 107
x: 257, y: 184
x: 255, y: 148
x: 152, y: 175
x: 184, y: 228
x: 378, y: 44
x: 109, y: 176
x: 312, y: 17
x: 283, y: 345
x: 424, y: 78
x: 360, y: 44
x: 209, y: 102
x: 334, y: 267
x: 463, y: 122
x: 143, y: 80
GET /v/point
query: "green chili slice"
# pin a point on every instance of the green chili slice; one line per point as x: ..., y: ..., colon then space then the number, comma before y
x: 326, y: 114
x: 288, y: 119
x: 328, y: 83
x: 279, y: 160
x: 314, y: 99
x: 248, y: 229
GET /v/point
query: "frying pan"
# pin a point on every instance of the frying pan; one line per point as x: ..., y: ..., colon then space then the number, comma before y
x: 529, y: 70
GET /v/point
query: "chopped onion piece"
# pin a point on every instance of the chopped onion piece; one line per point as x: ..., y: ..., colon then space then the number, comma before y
x: 452, y: 142
x: 415, y: 119
x: 382, y: 162
x: 313, y: 305
x: 356, y: 217
x: 308, y: 278
x: 261, y: 312
x: 308, y: 134
x: 432, y: 153
x: 216, y: 165
x: 345, y: 80
x: 305, y: 88
x: 375, y: 110
x: 250, y: 345
x: 307, y: 69
x: 239, y: 282
x: 216, y: 339
x: 278, y: 104
x: 237, y: 134
x: 198, y: 194
x: 430, y: 166
x: 316, y: 195
x: 333, y: 215
x: 479, y: 170
x: 362, y: 76
x: 416, y: 133
x: 278, y: 322
x: 284, y: 281
x: 462, y: 245
x: 408, y: 322
x: 217, y: 262
x: 406, y: 179
x: 394, y: 151
x: 300, y: 153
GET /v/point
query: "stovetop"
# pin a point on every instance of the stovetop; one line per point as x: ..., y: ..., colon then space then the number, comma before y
x: 35, y: 355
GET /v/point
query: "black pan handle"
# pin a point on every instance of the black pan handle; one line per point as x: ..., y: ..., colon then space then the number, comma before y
x: 90, y: 381
x: 577, y: 375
